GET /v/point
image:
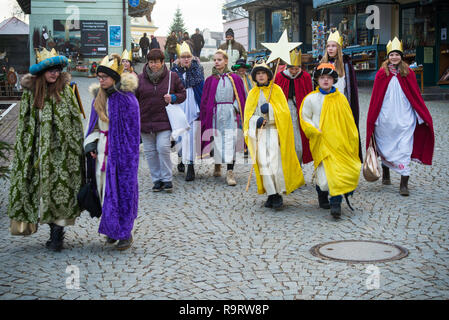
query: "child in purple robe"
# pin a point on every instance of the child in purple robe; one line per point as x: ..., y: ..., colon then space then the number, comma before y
x: 114, y: 133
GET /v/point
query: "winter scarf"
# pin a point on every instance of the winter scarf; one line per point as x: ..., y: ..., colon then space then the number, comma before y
x: 194, y: 74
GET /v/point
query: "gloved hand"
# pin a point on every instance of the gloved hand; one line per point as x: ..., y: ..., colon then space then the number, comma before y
x: 259, y: 122
x: 264, y: 108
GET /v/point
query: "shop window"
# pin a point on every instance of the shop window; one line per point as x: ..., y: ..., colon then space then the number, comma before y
x: 418, y: 28
x: 260, y: 28
x: 343, y: 19
x: 281, y: 20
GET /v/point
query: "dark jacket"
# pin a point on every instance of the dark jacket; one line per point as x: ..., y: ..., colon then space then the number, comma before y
x: 171, y: 43
x: 198, y: 41
x: 153, y: 117
x: 144, y: 43
x: 154, y: 44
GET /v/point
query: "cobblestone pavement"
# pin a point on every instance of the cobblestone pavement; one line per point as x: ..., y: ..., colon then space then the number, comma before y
x: 207, y: 240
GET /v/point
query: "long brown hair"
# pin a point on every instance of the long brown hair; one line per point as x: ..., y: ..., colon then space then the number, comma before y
x: 403, y: 67
x: 100, y: 104
x: 339, y: 65
x: 43, y: 90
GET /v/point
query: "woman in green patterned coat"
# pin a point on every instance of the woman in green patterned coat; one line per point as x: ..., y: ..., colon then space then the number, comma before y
x: 47, y: 170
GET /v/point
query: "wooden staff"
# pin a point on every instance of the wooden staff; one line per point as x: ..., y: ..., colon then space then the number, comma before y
x: 78, y: 98
x: 258, y: 133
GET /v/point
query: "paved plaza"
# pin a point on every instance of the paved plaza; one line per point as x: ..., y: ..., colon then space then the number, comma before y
x: 207, y: 240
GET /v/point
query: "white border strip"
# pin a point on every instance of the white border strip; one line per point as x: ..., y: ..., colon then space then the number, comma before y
x: 7, y: 110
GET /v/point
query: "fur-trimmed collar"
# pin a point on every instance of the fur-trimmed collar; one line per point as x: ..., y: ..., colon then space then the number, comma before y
x: 128, y: 81
x: 29, y: 81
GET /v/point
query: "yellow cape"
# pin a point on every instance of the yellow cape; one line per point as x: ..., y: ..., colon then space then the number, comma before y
x: 293, y: 175
x: 336, y: 144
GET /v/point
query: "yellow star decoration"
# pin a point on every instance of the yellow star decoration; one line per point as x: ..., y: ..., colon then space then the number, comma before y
x: 281, y: 49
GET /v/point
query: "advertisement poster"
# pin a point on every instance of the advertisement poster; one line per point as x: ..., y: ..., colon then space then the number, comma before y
x: 94, y: 38
x: 115, y: 36
x: 66, y: 38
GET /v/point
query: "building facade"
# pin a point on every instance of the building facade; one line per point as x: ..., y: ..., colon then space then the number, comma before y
x: 83, y: 30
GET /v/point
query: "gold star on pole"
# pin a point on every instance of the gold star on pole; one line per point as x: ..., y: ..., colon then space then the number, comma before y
x: 281, y: 49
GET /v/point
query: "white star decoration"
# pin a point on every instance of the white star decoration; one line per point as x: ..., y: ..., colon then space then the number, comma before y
x: 281, y: 49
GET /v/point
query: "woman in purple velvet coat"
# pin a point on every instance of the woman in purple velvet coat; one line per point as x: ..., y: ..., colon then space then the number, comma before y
x: 113, y: 139
x: 221, y: 113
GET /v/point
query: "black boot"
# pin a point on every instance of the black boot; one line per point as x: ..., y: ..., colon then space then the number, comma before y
x: 403, y: 189
x: 124, y: 244
x: 56, y: 237
x: 269, y: 202
x: 277, y: 201
x: 386, y: 175
x: 181, y: 167
x: 323, y: 199
x: 190, y: 173
x: 336, y: 210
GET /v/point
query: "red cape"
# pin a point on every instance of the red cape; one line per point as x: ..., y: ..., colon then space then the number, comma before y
x: 424, y: 138
x: 303, y: 86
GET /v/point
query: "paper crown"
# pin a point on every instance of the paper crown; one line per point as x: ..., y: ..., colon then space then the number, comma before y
x: 335, y: 36
x: 45, y: 54
x: 184, y: 48
x: 394, y: 45
x: 112, y: 64
x: 127, y: 55
x: 295, y: 58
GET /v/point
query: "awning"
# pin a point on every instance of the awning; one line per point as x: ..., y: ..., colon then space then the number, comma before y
x: 25, y: 5
x: 321, y: 4
x: 237, y: 3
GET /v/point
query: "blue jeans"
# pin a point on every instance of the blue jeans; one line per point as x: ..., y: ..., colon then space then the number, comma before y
x: 333, y: 200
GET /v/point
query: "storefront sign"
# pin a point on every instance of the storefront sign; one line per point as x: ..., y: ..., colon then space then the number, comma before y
x: 94, y: 38
x: 115, y: 36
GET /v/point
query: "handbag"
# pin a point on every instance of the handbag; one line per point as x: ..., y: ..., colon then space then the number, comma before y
x: 371, y: 171
x: 176, y: 116
x: 87, y: 197
x: 21, y: 228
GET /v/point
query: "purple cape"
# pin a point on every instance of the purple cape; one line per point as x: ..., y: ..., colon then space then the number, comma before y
x: 121, y: 190
x: 208, y: 105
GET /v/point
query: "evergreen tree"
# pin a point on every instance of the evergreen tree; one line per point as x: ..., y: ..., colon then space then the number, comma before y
x: 178, y: 23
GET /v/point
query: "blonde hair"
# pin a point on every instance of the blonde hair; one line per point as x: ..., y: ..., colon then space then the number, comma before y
x: 339, y: 65
x: 403, y: 67
x: 223, y: 53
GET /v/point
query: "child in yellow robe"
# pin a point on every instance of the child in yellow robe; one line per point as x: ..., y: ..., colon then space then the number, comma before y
x: 328, y: 123
x: 269, y: 135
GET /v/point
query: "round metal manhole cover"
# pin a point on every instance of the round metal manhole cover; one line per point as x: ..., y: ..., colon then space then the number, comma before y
x: 359, y: 251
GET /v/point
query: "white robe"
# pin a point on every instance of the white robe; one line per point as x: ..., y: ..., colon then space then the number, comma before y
x: 189, y: 139
x: 224, y: 123
x: 268, y: 152
x: 311, y: 113
x: 295, y: 120
x: 101, y: 139
x: 394, y: 129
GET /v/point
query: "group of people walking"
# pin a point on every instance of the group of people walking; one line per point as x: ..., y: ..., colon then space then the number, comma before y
x: 285, y: 122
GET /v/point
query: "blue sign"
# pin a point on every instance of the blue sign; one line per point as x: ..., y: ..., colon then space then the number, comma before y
x: 133, y: 3
x: 115, y: 36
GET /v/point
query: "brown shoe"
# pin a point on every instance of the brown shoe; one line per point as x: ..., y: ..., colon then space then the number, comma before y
x: 217, y: 170
x: 230, y: 178
x: 403, y: 189
x: 386, y: 175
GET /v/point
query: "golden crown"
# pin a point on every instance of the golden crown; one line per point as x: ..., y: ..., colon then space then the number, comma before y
x: 45, y: 54
x: 394, y: 45
x: 184, y: 48
x: 127, y: 55
x: 335, y: 36
x: 113, y: 64
x: 295, y: 58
